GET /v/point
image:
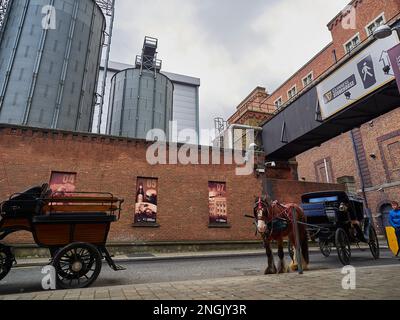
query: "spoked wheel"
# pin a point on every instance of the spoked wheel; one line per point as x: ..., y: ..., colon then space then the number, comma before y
x: 326, y: 248
x: 343, y: 247
x: 77, y: 265
x: 6, y: 261
x: 374, y: 243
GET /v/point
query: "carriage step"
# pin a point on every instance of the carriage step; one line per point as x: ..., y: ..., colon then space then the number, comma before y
x: 118, y: 268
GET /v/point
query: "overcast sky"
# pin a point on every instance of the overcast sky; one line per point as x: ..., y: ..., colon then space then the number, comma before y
x: 232, y: 45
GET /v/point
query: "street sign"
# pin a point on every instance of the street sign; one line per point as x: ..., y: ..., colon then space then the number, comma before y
x: 365, y: 73
x: 394, y: 56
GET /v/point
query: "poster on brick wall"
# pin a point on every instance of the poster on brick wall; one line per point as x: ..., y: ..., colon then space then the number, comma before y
x: 218, y: 205
x: 62, y: 183
x: 146, y: 200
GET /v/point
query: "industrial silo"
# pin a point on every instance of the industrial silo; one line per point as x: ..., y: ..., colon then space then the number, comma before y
x: 50, y: 54
x: 140, y: 100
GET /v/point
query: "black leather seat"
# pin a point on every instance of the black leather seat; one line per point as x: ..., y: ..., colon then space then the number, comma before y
x: 23, y: 204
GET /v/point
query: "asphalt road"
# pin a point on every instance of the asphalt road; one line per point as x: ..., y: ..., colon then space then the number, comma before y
x: 24, y: 280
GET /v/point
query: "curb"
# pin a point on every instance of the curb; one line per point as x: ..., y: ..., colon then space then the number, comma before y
x: 174, y: 258
x: 155, y: 258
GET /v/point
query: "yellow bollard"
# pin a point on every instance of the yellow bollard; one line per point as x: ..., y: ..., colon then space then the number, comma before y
x: 393, y: 242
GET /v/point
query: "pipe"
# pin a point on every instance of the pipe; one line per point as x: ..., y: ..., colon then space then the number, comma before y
x: 106, y: 63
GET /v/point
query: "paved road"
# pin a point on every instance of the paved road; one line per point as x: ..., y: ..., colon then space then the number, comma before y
x: 25, y: 280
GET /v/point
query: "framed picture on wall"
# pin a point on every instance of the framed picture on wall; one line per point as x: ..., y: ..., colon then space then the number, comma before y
x: 146, y: 200
x: 62, y: 183
x: 218, y: 204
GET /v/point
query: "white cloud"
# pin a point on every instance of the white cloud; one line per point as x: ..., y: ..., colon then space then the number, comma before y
x: 283, y: 36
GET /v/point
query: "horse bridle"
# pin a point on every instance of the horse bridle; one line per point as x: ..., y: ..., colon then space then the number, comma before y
x: 262, y: 205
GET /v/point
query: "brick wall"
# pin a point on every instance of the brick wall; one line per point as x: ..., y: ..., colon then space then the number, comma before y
x: 383, y: 170
x: 107, y: 164
x: 288, y: 191
x: 112, y: 165
x: 365, y: 12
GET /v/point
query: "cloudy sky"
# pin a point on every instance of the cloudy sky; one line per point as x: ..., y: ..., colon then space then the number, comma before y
x: 232, y: 45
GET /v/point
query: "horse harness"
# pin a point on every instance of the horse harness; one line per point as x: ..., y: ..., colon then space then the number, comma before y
x: 275, y: 224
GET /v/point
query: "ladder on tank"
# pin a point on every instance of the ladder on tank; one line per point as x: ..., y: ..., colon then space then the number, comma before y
x: 148, y: 59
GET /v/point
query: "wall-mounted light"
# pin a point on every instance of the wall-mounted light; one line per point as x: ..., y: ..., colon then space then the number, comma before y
x: 270, y: 164
x: 347, y: 94
x: 384, y: 31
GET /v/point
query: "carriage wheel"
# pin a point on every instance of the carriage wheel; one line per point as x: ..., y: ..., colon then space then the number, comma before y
x: 343, y: 247
x: 77, y: 265
x: 374, y: 243
x: 6, y: 261
x: 325, y: 247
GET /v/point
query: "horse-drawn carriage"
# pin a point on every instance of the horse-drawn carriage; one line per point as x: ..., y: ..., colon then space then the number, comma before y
x: 338, y: 219
x: 73, y: 226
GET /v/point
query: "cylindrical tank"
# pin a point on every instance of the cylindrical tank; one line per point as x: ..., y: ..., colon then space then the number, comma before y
x: 50, y: 54
x: 140, y: 100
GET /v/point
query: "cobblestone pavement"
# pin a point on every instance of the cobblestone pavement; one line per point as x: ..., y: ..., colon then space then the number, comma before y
x: 372, y: 283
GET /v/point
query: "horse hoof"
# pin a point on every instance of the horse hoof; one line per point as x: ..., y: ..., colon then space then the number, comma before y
x: 294, y: 267
x: 283, y: 270
x: 270, y: 271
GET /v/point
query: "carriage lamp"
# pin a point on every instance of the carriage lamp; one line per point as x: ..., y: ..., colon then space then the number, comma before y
x: 384, y: 31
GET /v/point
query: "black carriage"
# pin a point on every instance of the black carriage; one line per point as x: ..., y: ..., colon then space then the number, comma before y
x: 338, y: 220
x: 73, y: 226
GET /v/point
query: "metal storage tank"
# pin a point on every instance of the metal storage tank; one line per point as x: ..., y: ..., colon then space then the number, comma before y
x: 48, y: 76
x: 140, y: 100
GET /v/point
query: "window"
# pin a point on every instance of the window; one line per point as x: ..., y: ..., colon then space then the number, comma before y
x: 308, y: 79
x: 370, y: 28
x: 352, y: 43
x: 278, y: 103
x: 394, y: 153
x: 292, y: 92
x: 323, y: 171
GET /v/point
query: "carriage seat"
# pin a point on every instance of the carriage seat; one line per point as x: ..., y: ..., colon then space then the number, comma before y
x: 25, y: 204
x: 75, y: 217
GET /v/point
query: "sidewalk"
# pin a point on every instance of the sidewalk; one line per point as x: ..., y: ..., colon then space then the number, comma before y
x: 373, y: 283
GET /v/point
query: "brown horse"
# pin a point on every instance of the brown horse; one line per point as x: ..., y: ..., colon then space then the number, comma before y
x: 275, y: 223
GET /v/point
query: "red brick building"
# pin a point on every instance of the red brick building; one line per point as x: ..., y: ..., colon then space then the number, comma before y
x: 377, y: 144
x: 29, y: 156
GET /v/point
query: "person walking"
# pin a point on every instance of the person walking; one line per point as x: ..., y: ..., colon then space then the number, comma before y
x: 394, y: 219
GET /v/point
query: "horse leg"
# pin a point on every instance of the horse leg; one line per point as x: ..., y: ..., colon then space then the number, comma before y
x: 293, y: 265
x: 282, y: 268
x: 271, y: 269
x: 304, y: 248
